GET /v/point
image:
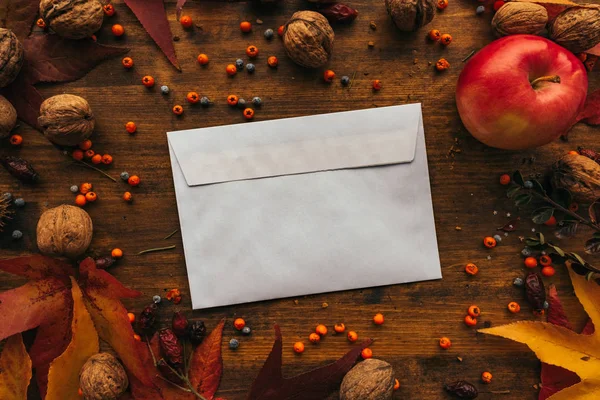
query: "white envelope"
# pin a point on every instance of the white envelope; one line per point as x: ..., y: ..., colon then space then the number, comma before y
x: 304, y: 205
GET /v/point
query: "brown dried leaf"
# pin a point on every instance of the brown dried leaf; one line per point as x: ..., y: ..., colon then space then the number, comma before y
x: 15, y: 369
x: 18, y: 16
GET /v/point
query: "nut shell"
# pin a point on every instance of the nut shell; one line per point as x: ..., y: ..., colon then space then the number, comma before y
x: 577, y: 28
x: 66, y: 119
x: 102, y: 377
x: 72, y: 19
x: 308, y: 39
x: 11, y: 57
x: 410, y: 15
x: 8, y: 117
x: 515, y: 18
x: 371, y: 379
x: 579, y: 175
x: 64, y: 231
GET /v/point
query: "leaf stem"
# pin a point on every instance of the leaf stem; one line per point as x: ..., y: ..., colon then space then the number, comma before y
x: 156, y: 249
x: 578, y: 217
x: 84, y: 164
x: 174, y: 384
x: 171, y: 234
x: 187, y: 381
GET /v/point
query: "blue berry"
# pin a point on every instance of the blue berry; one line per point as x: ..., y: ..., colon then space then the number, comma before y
x: 526, y: 252
x: 125, y: 175
x: 7, y: 196
x: 239, y: 64
x: 250, y: 67
x: 246, y: 330
x: 257, y: 101
x: 528, y: 184
x: 156, y: 299
x: 498, y: 238
x: 234, y: 344
x: 19, y: 202
x: 241, y: 103
x: 345, y: 80
x: 546, y: 305
x: 269, y: 34
x: 164, y: 89
x: 17, y: 234
x: 518, y: 282
x: 205, y: 101
x: 74, y: 189
x: 480, y: 10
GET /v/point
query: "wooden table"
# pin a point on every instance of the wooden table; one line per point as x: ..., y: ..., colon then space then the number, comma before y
x: 464, y: 179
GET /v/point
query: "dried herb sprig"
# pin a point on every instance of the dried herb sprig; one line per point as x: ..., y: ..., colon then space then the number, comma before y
x: 5, y: 211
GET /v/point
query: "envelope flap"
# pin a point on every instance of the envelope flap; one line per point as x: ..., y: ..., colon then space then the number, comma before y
x: 378, y: 136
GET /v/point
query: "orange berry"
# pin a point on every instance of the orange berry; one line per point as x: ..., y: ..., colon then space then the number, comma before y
x: 131, y: 317
x: 446, y: 39
x: 117, y: 30
x: 441, y: 4
x: 16, y: 140
x: 548, y: 270
x: 366, y: 353
x: 514, y: 307
x: 131, y: 127
x: 329, y: 76
x: 545, y: 260
x: 137, y: 337
x: 434, y: 35
x: 442, y: 64
x: 474, y: 311
x: 298, y: 347
x: 471, y: 269
x: 232, y: 100
x: 109, y: 10
x: 41, y: 23
x: 80, y: 200
x: 489, y: 242
x: 148, y: 81
x: 486, y: 377
x: 378, y: 319
x: 470, y: 321
x: 91, y: 196
x: 314, y: 338
x: 248, y: 113
x: 231, y: 70
x: 85, y: 187
x: 85, y: 145
x: 116, y: 253
x: 531, y: 262
x: 127, y: 197
x: 107, y: 159
x: 573, y: 207
x: 396, y: 384
x: 239, y: 324
x: 504, y: 179
x: 252, y: 51
x: 89, y: 153
x: 202, y: 59
x: 573, y: 152
x: 245, y: 26
x: 551, y: 221
x: 96, y: 159
x: 377, y: 85
x: 272, y: 62
x: 339, y: 327
x: 352, y: 336
x: 280, y: 30
x: 133, y: 180
x: 177, y: 109
x: 192, y: 97
x: 77, y: 155
x: 445, y: 343
x: 321, y: 329
x: 186, y: 21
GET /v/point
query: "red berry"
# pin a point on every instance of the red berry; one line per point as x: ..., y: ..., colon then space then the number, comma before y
x: 498, y: 4
x: 548, y: 270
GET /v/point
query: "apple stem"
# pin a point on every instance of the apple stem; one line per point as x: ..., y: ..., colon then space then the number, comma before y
x: 548, y: 78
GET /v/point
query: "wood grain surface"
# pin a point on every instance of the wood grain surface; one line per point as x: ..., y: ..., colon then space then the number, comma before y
x: 464, y: 180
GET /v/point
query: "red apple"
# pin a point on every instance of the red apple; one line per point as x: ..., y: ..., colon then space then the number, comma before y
x: 521, y: 91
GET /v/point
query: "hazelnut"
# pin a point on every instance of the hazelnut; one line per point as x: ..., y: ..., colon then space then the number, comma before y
x: 11, y: 57
x: 577, y: 28
x: 102, y: 377
x: 579, y: 175
x: 72, y: 19
x: 410, y: 15
x: 308, y: 39
x: 66, y: 119
x: 371, y: 379
x: 519, y: 18
x: 64, y: 231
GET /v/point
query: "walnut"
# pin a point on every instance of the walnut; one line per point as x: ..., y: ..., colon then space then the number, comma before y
x: 64, y: 231
x: 579, y: 175
x: 102, y: 377
x: 520, y: 18
x: 66, y: 119
x: 8, y: 117
x: 11, y: 57
x: 308, y: 39
x: 410, y: 15
x: 371, y: 379
x: 72, y: 19
x: 577, y: 28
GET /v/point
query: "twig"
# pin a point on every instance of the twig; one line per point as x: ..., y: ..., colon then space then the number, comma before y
x: 171, y: 234
x: 352, y: 81
x: 187, y: 381
x: 84, y: 164
x: 151, y: 352
x: 499, y: 391
x: 554, y: 204
x: 469, y: 56
x: 156, y: 249
x: 174, y: 384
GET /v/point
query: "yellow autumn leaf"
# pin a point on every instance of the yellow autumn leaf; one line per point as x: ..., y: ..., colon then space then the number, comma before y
x: 559, y: 346
x: 15, y: 369
x: 63, y: 377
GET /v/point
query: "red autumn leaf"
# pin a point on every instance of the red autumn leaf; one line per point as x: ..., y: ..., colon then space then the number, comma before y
x: 317, y: 384
x: 555, y: 379
x: 18, y: 16
x: 38, y: 267
x: 152, y: 16
x: 15, y: 369
x: 206, y: 366
x: 591, y: 112
x: 179, y: 7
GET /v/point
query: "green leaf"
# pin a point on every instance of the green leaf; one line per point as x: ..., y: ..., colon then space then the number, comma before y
x: 541, y: 215
x: 522, y: 199
x: 562, y: 197
x: 512, y: 191
x: 518, y: 178
x: 578, y: 258
x: 531, y: 242
x: 596, y: 235
x: 537, y: 186
x: 568, y: 230
x: 541, y: 237
x: 592, y: 246
x: 558, y: 250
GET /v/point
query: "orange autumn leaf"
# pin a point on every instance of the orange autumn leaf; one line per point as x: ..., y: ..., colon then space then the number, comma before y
x: 63, y: 377
x: 554, y: 7
x: 562, y: 347
x: 206, y: 366
x: 15, y: 369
